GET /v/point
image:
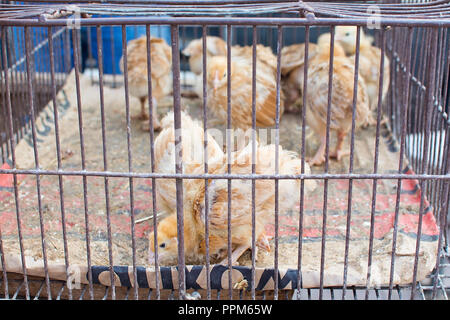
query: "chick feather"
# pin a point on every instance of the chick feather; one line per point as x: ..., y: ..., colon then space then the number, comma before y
x: 292, y: 71
x: 266, y: 62
x: 192, y: 156
x: 241, y: 199
x: 215, y: 46
x: 241, y: 195
x: 369, y: 62
x: 161, y: 75
x: 341, y: 98
x: 241, y: 92
x: 192, y: 163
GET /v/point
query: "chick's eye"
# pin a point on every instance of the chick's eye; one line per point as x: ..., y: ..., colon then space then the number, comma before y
x: 162, y: 245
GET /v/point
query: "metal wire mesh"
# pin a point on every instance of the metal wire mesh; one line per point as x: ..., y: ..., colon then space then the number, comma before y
x: 40, y: 49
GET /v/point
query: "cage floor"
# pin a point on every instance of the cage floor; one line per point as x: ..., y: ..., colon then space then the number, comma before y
x: 78, y: 208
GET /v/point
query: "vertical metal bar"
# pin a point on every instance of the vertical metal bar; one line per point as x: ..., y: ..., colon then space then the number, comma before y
x: 277, y: 144
x: 5, y: 71
x: 113, y: 55
x: 5, y: 109
x: 31, y: 102
x: 83, y: 157
x: 90, y: 57
x: 4, y: 145
x: 445, y: 164
x: 183, y: 45
x: 15, y: 82
x: 58, y: 155
x: 5, y: 92
x: 303, y: 152
x: 405, y: 112
x: 130, y: 160
x: 437, y: 97
x: 59, y: 58
x: 178, y: 159
x: 152, y: 157
x: 67, y: 55
x: 13, y: 159
x: 392, y: 111
x: 444, y: 124
x: 375, y: 164
x: 447, y: 80
x: 444, y: 208
x: 78, y: 31
x: 427, y: 121
x: 350, y: 169
x: 3, y: 264
x: 12, y: 57
x: 46, y: 71
x: 229, y: 144
x: 393, y: 83
x: 438, y: 126
x: 205, y: 154
x: 421, y: 114
x: 105, y: 159
x: 417, y: 71
x: 39, y: 78
x: 23, y: 119
x: 410, y: 143
x: 327, y: 151
x: 254, y: 61
x: 3, y: 139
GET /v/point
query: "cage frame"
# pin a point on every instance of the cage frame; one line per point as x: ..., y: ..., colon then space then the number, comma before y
x: 307, y: 21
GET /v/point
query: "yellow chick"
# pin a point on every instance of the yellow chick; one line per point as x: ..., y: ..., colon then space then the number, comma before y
x: 369, y: 63
x: 241, y: 92
x: 341, y: 98
x: 215, y: 46
x: 292, y: 70
x: 241, y: 194
x: 161, y: 76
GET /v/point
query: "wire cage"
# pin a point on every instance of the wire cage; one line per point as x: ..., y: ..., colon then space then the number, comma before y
x: 84, y: 189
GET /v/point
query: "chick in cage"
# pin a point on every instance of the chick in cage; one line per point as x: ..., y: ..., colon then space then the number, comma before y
x: 369, y: 63
x: 341, y: 98
x: 292, y: 70
x: 241, y: 81
x: 137, y: 70
x: 241, y: 194
x: 122, y: 172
